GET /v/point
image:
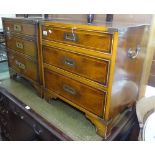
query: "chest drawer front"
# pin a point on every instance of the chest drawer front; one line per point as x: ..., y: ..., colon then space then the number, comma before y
x: 23, y: 66
x: 91, y: 68
x: 19, y: 27
x: 27, y: 47
x: 78, y: 93
x: 92, y: 40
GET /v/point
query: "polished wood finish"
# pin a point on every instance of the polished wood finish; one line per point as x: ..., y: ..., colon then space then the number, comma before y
x: 151, y: 81
x: 23, y: 46
x: 24, y: 66
x: 17, y: 26
x: 148, y: 59
x: 94, y: 69
x: 128, y: 70
x: 83, y: 51
x: 73, y: 36
x: 91, y: 54
x: 76, y: 92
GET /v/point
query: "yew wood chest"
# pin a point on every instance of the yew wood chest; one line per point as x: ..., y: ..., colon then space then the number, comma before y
x: 96, y: 68
x: 23, y: 46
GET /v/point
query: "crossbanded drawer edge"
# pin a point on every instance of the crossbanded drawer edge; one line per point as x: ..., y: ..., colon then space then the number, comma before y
x: 76, y: 77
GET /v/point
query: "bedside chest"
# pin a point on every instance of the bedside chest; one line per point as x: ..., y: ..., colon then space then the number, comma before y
x: 23, y: 49
x: 95, y: 68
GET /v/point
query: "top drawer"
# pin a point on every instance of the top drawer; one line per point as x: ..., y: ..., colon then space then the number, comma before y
x: 87, y: 39
x: 19, y: 27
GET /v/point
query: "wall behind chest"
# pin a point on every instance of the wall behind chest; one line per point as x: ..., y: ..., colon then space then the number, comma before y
x: 129, y: 18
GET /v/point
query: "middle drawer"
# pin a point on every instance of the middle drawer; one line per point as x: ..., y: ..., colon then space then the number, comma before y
x: 91, y: 68
x: 24, y: 46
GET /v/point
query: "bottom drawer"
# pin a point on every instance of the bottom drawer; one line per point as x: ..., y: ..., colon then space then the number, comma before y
x: 23, y: 66
x: 80, y: 94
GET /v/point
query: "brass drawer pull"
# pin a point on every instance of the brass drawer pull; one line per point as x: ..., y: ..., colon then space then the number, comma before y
x: 69, y: 62
x: 69, y: 89
x: 133, y: 52
x: 20, y: 65
x: 17, y: 27
x: 69, y: 36
x: 19, y: 45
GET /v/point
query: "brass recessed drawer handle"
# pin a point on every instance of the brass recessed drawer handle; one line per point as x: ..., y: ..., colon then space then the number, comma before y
x: 17, y: 27
x: 69, y: 89
x: 69, y: 62
x: 70, y: 36
x: 133, y: 52
x: 20, y: 65
x: 19, y: 45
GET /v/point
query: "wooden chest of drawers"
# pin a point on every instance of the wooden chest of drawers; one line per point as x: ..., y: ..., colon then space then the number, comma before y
x: 23, y: 48
x: 94, y: 68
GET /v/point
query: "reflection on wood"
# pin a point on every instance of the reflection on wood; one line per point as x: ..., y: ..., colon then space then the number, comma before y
x: 148, y: 59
